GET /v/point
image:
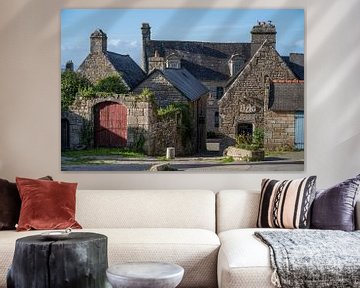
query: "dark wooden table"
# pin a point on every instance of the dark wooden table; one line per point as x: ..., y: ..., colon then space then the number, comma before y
x: 79, y: 261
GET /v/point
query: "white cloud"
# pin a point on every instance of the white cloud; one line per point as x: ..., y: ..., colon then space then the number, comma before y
x: 300, y: 43
x: 118, y: 43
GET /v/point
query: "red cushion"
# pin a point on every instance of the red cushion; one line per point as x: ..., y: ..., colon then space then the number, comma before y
x: 46, y: 204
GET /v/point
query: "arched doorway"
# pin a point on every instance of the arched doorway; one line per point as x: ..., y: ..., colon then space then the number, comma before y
x: 110, y: 124
x: 65, y: 134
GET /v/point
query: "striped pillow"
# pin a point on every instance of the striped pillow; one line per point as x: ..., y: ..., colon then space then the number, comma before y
x: 286, y: 204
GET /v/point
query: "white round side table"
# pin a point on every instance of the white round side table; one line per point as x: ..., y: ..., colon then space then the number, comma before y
x: 145, y: 275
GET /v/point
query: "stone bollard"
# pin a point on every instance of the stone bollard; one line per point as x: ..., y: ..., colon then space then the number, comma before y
x: 170, y: 153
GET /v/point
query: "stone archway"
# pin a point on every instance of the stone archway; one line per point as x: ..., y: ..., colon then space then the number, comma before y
x: 110, y: 124
x: 65, y: 134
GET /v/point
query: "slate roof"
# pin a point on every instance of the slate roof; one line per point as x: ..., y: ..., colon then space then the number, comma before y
x: 204, y: 60
x: 185, y: 82
x: 296, y: 63
x: 131, y: 72
x: 209, y: 60
x: 287, y: 96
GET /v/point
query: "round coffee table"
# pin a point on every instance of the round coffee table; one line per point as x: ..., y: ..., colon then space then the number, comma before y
x: 145, y: 275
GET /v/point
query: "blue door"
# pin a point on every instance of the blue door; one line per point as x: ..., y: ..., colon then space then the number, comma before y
x: 299, y: 130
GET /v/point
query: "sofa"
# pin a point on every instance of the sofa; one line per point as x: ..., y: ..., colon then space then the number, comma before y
x: 209, y: 234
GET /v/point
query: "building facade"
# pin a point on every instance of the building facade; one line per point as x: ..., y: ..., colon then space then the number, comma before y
x: 129, y: 120
x: 239, y: 77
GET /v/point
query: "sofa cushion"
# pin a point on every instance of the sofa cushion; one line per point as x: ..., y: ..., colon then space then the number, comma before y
x: 153, y: 209
x: 194, y: 249
x: 236, y: 209
x: 10, y: 204
x: 244, y: 261
x: 286, y: 204
x: 46, y: 204
x: 334, y: 208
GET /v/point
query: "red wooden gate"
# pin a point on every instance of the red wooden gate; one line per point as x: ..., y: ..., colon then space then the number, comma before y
x: 110, y: 119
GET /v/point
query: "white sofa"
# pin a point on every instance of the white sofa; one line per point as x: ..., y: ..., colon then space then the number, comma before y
x: 175, y: 226
x: 243, y: 261
x: 146, y: 225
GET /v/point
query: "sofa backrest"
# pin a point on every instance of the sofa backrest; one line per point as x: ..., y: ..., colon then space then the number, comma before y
x: 236, y: 209
x: 239, y: 209
x: 146, y: 209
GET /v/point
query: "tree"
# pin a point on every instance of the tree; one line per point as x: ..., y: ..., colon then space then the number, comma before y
x: 111, y: 84
x: 71, y: 84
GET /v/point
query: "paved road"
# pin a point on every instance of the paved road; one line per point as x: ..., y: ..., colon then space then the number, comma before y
x: 201, y: 164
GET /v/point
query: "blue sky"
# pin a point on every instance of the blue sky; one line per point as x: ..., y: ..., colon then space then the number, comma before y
x: 122, y: 27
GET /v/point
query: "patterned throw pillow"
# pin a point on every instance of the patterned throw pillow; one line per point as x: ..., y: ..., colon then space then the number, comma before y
x: 286, y: 204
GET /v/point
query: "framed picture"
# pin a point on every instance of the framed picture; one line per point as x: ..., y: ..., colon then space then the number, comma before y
x: 182, y: 90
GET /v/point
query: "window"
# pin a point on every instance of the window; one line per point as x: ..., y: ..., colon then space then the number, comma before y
x: 244, y: 129
x: 219, y: 92
x: 216, y: 119
x: 173, y: 64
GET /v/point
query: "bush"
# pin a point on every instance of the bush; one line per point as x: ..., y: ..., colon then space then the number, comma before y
x: 71, y: 84
x: 111, y: 84
x: 251, y: 142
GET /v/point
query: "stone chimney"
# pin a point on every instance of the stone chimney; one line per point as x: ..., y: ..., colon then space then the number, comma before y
x: 98, y: 42
x: 261, y: 32
x: 146, y: 36
x: 156, y: 62
x: 69, y: 66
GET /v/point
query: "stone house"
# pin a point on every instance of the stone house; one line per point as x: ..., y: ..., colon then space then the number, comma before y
x: 266, y: 94
x: 101, y: 63
x: 127, y: 120
x: 238, y: 76
x: 177, y: 85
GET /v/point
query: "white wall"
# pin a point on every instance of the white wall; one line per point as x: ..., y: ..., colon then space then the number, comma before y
x: 30, y: 94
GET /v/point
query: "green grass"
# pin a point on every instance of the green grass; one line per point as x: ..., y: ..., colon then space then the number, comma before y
x: 227, y: 159
x: 122, y: 152
x: 162, y: 158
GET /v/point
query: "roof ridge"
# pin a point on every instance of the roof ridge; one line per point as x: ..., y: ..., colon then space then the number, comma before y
x: 125, y: 55
x: 194, y: 41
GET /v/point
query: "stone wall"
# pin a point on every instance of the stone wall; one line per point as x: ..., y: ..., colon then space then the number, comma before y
x: 244, y: 101
x: 81, y: 120
x: 143, y: 126
x: 166, y: 132
x: 279, y: 130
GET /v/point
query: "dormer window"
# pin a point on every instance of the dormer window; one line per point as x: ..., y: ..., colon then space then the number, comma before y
x: 236, y: 62
x: 173, y: 61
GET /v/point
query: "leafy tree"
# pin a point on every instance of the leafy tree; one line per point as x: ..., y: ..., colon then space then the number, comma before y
x: 71, y: 84
x: 111, y: 84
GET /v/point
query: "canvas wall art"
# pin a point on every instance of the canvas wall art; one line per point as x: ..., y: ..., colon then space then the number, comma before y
x: 182, y: 90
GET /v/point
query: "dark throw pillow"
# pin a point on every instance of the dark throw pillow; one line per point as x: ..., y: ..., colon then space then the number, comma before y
x: 10, y: 204
x: 46, y: 204
x: 334, y: 208
x: 286, y: 204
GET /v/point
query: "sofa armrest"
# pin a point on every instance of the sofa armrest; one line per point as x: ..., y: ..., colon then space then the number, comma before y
x: 357, y: 215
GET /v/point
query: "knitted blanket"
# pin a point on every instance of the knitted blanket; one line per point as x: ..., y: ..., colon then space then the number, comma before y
x: 313, y: 258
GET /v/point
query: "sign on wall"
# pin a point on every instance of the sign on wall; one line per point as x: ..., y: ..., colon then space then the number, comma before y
x: 182, y: 90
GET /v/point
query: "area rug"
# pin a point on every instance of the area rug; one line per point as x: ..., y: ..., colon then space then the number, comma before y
x: 313, y: 258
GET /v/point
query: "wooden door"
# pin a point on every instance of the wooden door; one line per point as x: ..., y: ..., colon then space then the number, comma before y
x: 110, y: 124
